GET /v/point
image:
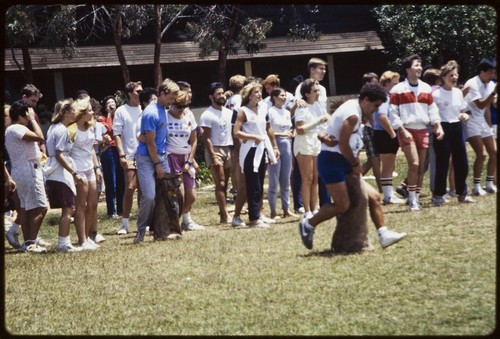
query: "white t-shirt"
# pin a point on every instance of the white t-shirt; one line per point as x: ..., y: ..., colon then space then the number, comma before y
x: 82, y: 149
x: 288, y: 101
x: 20, y: 151
x: 125, y: 125
x: 234, y: 102
x: 179, y: 132
x: 58, y: 140
x: 322, y: 95
x: 346, y: 110
x: 449, y: 103
x: 477, y: 90
x: 219, y: 123
x: 280, y: 120
x: 309, y: 114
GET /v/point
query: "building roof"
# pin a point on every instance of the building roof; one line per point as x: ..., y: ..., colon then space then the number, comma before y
x: 177, y: 52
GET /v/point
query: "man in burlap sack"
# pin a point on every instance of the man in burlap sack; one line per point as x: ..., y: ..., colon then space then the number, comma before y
x: 340, y: 145
x: 152, y: 163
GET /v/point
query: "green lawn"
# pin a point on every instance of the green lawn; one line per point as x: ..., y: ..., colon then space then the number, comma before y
x: 440, y: 280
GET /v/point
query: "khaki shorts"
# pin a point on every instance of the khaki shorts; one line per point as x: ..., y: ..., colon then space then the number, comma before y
x: 131, y: 164
x: 223, y: 154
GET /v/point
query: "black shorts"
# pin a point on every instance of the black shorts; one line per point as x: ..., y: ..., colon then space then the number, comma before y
x: 59, y: 194
x: 383, y: 142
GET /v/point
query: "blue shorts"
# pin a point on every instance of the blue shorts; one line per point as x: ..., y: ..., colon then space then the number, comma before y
x: 333, y: 167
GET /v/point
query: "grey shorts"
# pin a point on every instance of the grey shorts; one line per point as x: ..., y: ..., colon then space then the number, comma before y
x: 30, y: 185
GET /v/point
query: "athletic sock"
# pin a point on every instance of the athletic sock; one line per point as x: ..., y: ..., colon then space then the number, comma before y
x: 489, y: 181
x: 386, y: 187
x: 477, y: 183
x: 125, y: 223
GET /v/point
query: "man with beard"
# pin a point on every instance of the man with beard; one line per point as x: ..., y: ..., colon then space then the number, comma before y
x: 216, y: 123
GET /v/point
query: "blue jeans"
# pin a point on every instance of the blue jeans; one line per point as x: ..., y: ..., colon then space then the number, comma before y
x: 114, y: 181
x: 279, y: 173
x: 147, y: 182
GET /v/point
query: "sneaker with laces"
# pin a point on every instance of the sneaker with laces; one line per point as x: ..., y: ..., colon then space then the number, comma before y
x: 466, y: 199
x: 259, y: 224
x: 122, y: 231
x: 491, y: 190
x: 306, y: 234
x: 39, y: 241
x: 237, y: 222
x: 68, y: 248
x: 389, y: 238
x: 437, y: 201
x: 414, y: 206
x: 266, y: 219
x: 393, y: 200
x: 13, y: 238
x: 32, y: 248
x: 192, y: 226
x: 88, y: 246
x: 174, y: 236
x: 478, y: 192
x: 99, y: 238
x: 93, y: 242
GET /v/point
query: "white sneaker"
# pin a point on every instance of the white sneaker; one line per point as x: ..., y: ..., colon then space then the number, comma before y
x: 39, y: 241
x: 415, y: 206
x: 301, y: 210
x: 122, y: 231
x: 478, y: 192
x: 389, y: 237
x: 393, y: 200
x: 259, y: 224
x: 93, y: 243
x: 87, y: 246
x: 174, y: 236
x: 491, y: 190
x: 68, y: 248
x: 266, y: 219
x: 466, y: 199
x: 237, y: 222
x: 13, y: 238
x: 99, y: 238
x: 192, y: 226
x: 32, y: 248
x: 308, y: 215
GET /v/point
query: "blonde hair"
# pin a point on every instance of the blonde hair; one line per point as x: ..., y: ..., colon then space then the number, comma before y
x: 81, y: 106
x: 168, y: 86
x: 60, y: 108
x: 182, y: 98
x: 388, y: 76
x: 247, y: 91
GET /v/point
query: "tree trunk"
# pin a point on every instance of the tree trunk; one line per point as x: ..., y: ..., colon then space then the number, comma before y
x: 225, y: 43
x: 28, y: 66
x: 157, y: 76
x: 117, y: 37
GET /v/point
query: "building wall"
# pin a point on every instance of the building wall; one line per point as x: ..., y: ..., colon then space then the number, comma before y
x: 103, y: 81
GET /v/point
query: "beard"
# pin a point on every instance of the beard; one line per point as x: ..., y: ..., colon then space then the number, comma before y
x: 221, y: 101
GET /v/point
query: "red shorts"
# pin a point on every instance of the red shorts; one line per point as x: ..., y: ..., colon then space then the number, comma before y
x: 420, y: 138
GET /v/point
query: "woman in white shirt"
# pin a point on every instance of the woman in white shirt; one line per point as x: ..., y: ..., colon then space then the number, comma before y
x: 279, y: 173
x: 452, y: 106
x: 309, y: 121
x: 181, y: 149
x: 88, y: 168
x: 252, y: 127
x: 22, y: 145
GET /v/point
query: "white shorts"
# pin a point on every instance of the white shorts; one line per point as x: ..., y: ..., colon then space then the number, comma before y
x: 88, y: 175
x: 477, y: 126
x: 30, y: 186
x: 306, y: 145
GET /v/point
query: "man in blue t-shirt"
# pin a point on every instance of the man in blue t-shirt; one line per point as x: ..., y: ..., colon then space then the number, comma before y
x: 150, y: 156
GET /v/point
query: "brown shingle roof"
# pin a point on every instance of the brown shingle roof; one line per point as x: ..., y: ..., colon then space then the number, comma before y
x: 176, y: 52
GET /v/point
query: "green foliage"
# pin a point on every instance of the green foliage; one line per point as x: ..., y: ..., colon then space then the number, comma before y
x: 298, y: 28
x: 20, y: 25
x: 438, y: 34
x: 253, y: 32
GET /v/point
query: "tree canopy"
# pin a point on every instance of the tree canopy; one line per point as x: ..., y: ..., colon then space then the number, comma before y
x: 438, y: 33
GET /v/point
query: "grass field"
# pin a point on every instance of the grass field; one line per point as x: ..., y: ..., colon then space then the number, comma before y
x: 440, y: 280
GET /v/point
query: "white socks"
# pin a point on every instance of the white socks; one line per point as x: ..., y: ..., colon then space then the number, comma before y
x: 125, y: 223
x: 186, y: 218
x: 382, y: 230
x: 63, y: 241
